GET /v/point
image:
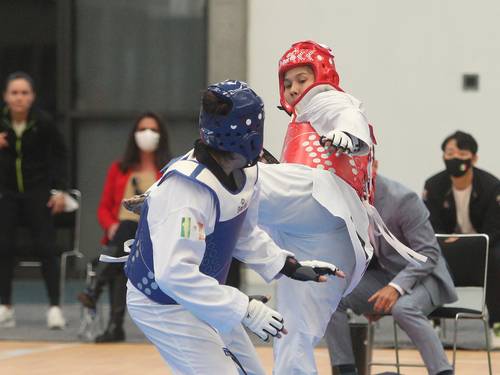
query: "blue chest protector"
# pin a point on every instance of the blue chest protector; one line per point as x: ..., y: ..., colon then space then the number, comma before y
x: 230, y: 215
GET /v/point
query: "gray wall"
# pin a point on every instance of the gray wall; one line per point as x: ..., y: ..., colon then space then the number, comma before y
x: 404, y: 60
x: 99, y: 142
x: 130, y: 57
x: 227, y: 40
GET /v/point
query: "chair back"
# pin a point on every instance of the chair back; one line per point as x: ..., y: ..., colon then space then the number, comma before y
x: 71, y: 220
x: 467, y: 255
x: 67, y: 232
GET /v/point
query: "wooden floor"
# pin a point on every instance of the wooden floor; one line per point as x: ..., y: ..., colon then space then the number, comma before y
x: 33, y: 358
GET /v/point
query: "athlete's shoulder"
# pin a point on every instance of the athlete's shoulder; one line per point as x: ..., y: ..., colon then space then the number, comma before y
x: 180, y: 191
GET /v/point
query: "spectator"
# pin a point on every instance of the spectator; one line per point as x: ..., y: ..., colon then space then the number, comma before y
x: 146, y: 152
x: 32, y: 163
x: 391, y: 285
x: 466, y: 199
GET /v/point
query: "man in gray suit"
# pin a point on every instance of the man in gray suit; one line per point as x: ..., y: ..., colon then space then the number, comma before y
x: 392, y: 285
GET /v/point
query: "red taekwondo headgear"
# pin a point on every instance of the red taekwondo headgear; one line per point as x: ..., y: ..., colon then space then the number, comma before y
x: 317, y: 56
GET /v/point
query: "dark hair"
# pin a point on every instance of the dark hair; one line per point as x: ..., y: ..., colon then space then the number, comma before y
x: 464, y: 140
x: 131, y: 156
x: 212, y: 104
x: 19, y: 75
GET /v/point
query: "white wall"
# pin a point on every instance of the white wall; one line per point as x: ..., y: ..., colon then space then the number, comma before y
x: 404, y: 60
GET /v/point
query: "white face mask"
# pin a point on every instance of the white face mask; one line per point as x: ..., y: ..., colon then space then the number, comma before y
x: 147, y: 140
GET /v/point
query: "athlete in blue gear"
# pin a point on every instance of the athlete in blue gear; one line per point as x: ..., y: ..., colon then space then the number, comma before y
x: 199, y: 215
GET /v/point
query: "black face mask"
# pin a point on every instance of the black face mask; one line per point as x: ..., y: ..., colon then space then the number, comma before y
x: 457, y: 167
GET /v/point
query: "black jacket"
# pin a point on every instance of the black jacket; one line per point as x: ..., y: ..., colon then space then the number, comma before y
x: 36, y: 160
x: 484, y: 206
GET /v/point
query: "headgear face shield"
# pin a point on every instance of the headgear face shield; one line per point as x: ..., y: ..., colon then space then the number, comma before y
x: 307, y: 53
x: 242, y: 129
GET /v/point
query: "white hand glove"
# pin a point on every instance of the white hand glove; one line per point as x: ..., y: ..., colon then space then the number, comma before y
x: 323, y: 268
x: 262, y: 320
x: 340, y: 140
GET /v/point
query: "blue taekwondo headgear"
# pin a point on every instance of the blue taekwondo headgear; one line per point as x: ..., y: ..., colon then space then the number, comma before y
x: 242, y: 129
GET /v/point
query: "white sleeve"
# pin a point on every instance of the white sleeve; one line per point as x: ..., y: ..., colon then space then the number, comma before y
x: 255, y: 247
x: 334, y: 110
x: 398, y: 288
x: 180, y: 215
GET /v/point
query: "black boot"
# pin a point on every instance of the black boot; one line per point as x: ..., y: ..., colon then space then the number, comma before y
x: 114, y: 333
x: 344, y: 370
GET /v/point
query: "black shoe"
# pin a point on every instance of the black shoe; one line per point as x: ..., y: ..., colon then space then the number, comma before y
x: 112, y: 334
x: 88, y: 299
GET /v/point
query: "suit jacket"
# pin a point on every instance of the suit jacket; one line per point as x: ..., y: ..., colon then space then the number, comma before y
x: 408, y: 219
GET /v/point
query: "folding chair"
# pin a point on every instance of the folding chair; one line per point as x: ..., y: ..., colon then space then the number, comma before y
x: 466, y: 255
x: 397, y: 364
x: 74, y: 251
x: 68, y: 244
x: 467, y: 258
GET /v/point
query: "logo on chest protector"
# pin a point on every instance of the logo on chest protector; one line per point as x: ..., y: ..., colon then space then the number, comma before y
x: 191, y: 229
x: 242, y: 206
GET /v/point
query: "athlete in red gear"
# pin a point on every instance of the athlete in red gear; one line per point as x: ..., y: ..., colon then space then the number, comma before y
x: 316, y: 202
x: 329, y: 129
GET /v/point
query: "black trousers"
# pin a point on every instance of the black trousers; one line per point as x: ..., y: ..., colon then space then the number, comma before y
x: 29, y: 208
x: 234, y: 274
x: 493, y: 287
x: 112, y: 274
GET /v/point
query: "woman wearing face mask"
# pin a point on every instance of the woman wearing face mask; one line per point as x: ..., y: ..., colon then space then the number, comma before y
x: 146, y: 152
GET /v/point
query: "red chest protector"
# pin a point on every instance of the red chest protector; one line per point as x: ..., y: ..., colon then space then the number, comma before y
x: 302, y: 146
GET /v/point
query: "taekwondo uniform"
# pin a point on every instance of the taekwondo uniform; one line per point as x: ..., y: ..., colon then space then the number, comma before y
x: 324, y: 200
x: 313, y: 212
x: 190, y: 228
x: 193, y: 221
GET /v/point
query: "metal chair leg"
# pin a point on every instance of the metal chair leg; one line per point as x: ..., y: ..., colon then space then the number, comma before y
x: 488, y: 344
x: 63, y: 268
x: 396, y: 346
x: 443, y: 328
x: 455, y: 330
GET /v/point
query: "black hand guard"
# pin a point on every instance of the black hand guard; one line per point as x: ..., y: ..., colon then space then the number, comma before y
x: 305, y: 273
x: 325, y: 271
x: 294, y: 270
